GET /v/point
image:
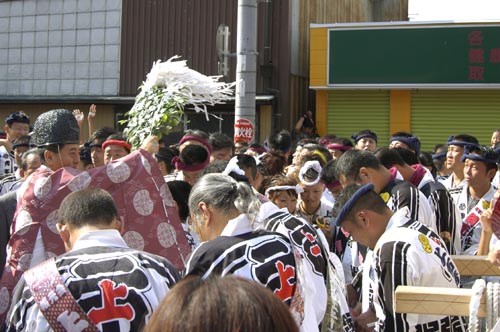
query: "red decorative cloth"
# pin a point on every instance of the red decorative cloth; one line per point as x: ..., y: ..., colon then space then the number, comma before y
x: 145, y: 205
x: 419, y: 174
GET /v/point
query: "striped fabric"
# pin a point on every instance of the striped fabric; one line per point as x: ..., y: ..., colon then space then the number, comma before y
x: 411, y: 255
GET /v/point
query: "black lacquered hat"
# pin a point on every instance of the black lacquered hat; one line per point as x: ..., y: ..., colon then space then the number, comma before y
x: 57, y: 126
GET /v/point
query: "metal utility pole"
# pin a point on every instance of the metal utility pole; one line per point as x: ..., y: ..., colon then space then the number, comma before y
x: 246, y: 70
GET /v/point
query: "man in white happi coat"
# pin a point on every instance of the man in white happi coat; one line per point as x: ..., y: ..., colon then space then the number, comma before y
x: 363, y: 167
x: 135, y: 182
x: 475, y: 197
x: 448, y: 219
x: 405, y: 252
x: 101, y: 282
x: 456, y: 145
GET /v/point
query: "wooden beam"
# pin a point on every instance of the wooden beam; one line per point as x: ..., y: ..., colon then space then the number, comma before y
x: 475, y: 266
x: 436, y: 301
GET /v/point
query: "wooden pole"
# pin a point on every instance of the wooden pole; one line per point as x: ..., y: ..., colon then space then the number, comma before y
x: 478, y: 266
x: 436, y: 301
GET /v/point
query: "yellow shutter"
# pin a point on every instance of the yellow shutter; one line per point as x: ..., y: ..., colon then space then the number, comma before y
x: 351, y: 111
x: 437, y: 114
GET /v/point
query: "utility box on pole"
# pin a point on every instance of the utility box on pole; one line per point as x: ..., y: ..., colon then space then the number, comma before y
x: 246, y: 70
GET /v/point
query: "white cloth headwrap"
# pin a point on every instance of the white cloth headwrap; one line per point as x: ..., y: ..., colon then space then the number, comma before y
x: 298, y: 189
x: 232, y: 166
x: 314, y: 164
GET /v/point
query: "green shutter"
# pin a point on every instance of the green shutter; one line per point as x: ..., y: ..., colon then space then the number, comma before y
x: 437, y: 114
x: 352, y: 111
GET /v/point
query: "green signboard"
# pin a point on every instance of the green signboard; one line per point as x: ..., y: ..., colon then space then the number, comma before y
x: 415, y: 56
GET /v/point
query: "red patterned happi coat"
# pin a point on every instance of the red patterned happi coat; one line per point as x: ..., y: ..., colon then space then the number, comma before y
x: 144, y: 203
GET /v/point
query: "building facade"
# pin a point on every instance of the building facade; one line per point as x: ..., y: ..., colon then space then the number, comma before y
x: 431, y: 79
x: 74, y: 53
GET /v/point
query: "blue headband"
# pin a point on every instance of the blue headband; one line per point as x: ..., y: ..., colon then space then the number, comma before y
x: 412, y: 142
x: 350, y: 203
x: 356, y: 138
x: 477, y: 157
x: 451, y: 141
x: 439, y: 155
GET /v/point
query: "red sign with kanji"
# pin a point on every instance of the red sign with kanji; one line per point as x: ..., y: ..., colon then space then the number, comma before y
x: 243, y: 130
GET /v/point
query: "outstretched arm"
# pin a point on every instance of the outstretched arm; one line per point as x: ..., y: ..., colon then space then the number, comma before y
x: 79, y: 118
x: 90, y: 118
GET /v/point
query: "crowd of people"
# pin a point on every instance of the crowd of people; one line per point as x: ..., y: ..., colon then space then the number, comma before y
x: 300, y: 233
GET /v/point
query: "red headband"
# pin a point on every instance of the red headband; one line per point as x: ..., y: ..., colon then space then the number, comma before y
x: 116, y: 142
x: 179, y: 165
x: 333, y: 185
x: 258, y: 150
x: 338, y: 147
x: 197, y: 139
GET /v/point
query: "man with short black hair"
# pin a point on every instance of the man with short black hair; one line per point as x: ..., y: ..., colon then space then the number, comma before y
x: 405, y: 252
x: 30, y: 162
x: 448, y: 221
x: 456, y: 147
x: 363, y: 167
x: 480, y: 166
x: 19, y: 146
x: 281, y: 142
x: 115, y: 287
x: 135, y: 182
x: 17, y: 124
x: 96, y: 139
x: 365, y: 140
x: 222, y: 147
x: 405, y: 140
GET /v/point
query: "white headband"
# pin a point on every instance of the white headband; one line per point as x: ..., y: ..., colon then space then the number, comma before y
x: 314, y: 164
x: 298, y: 189
x: 232, y: 166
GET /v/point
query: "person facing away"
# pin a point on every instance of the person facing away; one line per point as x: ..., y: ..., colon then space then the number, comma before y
x: 224, y: 214
x: 405, y: 140
x: 117, y: 288
x: 405, y: 252
x: 194, y: 305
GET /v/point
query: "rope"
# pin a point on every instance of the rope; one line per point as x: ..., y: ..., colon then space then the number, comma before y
x: 492, y: 292
x: 475, y: 300
x: 489, y: 306
x: 496, y: 290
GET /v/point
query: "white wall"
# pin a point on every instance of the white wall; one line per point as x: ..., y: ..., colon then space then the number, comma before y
x: 453, y: 10
x: 59, y: 47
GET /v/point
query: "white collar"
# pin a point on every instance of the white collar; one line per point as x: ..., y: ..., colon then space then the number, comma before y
x: 100, y: 238
x: 399, y: 218
x: 266, y: 210
x: 237, y: 226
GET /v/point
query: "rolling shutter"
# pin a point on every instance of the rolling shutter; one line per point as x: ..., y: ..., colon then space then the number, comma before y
x: 437, y: 114
x: 352, y: 111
